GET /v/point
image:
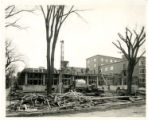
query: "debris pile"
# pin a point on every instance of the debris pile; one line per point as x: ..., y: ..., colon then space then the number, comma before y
x: 67, y: 101
x: 70, y: 100
x: 141, y: 92
x: 13, y: 95
x: 30, y: 101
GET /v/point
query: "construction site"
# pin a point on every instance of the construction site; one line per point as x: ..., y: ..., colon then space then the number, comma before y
x: 99, y: 86
x: 74, y: 58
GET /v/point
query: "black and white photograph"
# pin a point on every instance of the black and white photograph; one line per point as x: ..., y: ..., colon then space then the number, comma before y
x: 73, y: 58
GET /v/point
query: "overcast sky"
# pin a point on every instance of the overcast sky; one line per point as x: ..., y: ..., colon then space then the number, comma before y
x: 83, y: 38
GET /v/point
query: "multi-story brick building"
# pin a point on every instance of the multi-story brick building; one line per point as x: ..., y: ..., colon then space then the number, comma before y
x: 115, y: 69
x: 98, y: 60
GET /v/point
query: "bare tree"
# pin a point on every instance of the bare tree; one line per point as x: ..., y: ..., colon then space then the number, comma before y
x: 10, y: 12
x: 10, y: 75
x: 11, y: 59
x: 133, y: 41
x: 54, y: 16
x: 11, y: 55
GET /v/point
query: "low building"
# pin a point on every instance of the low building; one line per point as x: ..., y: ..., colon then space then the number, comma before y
x: 35, y: 79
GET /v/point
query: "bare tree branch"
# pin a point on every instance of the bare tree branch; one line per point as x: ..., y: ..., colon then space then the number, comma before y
x: 10, y: 12
x: 13, y: 13
x: 76, y: 12
x: 137, y: 60
x: 54, y: 16
x: 43, y: 12
x: 11, y: 55
x: 120, y: 48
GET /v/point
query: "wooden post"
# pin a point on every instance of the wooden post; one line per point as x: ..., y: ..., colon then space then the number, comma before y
x: 97, y: 80
x: 43, y: 79
x: 87, y: 80
x: 60, y: 82
x: 26, y: 78
x: 73, y: 78
x: 122, y: 79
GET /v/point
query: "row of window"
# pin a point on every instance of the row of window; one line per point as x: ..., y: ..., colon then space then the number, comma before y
x: 91, y: 81
x: 35, y: 82
x: 95, y: 65
x: 103, y: 60
x: 109, y: 68
x: 142, y: 71
x: 106, y: 68
x: 40, y: 82
x: 107, y: 60
x: 141, y: 79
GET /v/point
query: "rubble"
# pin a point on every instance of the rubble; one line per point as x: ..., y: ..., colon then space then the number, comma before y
x: 66, y: 101
x: 38, y: 101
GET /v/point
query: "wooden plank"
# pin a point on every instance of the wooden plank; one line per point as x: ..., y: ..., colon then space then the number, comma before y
x: 114, y: 97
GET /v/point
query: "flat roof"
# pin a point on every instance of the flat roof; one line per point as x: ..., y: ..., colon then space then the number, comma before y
x: 103, y: 56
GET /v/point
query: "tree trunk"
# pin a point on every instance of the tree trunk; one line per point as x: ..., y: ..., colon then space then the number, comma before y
x: 52, y: 55
x: 49, y: 85
x: 130, y: 78
x: 53, y: 22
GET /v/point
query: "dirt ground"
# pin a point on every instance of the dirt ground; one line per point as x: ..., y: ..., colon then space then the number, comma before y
x: 133, y: 111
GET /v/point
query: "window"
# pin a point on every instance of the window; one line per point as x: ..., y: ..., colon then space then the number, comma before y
x: 35, y: 82
x: 94, y: 59
x: 141, y: 63
x: 124, y: 72
x: 141, y: 71
x: 106, y: 69
x: 111, y: 68
x: 30, y: 75
x: 141, y: 79
x: 95, y: 65
x: 106, y: 60
x: 92, y: 81
x: 66, y: 81
x: 102, y: 59
x: 88, y: 61
x: 30, y: 82
x: 111, y: 60
x: 124, y: 66
x: 40, y: 82
x: 55, y: 81
x: 102, y: 64
x: 115, y: 60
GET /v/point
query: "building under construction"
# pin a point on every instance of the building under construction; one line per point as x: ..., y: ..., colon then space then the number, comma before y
x: 35, y: 79
x: 100, y: 70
